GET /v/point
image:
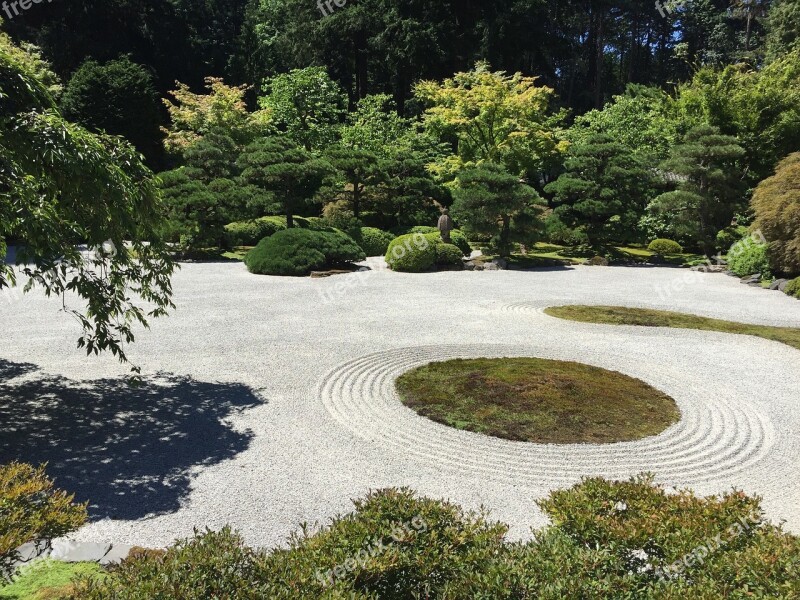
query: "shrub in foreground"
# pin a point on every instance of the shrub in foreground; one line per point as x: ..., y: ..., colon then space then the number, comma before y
x: 727, y: 237
x: 749, y: 258
x: 32, y: 511
x: 299, y: 251
x: 457, y: 237
x: 607, y: 540
x: 793, y: 288
x: 664, y: 247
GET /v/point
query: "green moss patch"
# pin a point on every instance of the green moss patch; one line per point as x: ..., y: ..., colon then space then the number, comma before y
x: 537, y: 400
x: 45, y: 579
x: 620, y: 315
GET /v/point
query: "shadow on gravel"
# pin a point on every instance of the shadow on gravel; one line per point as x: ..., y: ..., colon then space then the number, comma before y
x: 128, y: 450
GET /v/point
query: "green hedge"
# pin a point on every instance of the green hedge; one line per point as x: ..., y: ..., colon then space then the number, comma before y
x: 665, y: 247
x: 607, y: 539
x: 299, y: 251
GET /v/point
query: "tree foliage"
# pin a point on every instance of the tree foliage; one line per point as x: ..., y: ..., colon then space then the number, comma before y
x: 61, y: 186
x: 776, y: 204
x: 491, y: 201
x: 709, y: 188
x: 292, y: 174
x: 491, y: 116
x: 306, y: 105
x: 223, y: 109
x: 604, y: 190
x: 119, y: 98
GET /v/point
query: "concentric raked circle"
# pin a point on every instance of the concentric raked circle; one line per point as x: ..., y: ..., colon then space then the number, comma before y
x: 714, y: 439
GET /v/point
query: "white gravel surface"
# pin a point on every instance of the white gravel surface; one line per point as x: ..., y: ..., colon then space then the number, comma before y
x: 286, y: 407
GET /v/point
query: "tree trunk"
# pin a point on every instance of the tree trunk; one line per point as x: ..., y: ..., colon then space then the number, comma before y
x: 505, y: 231
x: 357, y: 199
x: 289, y: 220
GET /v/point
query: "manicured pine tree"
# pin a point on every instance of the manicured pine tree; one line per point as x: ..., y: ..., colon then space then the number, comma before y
x: 290, y: 172
x: 603, y: 191
x: 709, y: 189
x: 491, y: 201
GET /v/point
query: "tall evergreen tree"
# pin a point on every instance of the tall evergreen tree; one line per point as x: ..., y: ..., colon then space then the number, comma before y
x: 491, y: 201
x: 604, y: 190
x: 290, y: 172
x: 709, y: 189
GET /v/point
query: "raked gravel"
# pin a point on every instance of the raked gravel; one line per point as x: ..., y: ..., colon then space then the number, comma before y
x: 318, y: 358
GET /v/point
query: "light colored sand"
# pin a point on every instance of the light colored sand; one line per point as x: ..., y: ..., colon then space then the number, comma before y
x: 322, y: 356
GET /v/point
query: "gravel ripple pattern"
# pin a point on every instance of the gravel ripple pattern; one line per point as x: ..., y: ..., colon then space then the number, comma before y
x: 306, y: 369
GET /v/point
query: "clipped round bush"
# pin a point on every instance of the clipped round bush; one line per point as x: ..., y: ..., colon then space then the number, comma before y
x: 749, y: 258
x: 412, y: 253
x: 299, y: 251
x: 373, y: 241
x: 793, y: 288
x: 449, y: 254
x: 665, y: 247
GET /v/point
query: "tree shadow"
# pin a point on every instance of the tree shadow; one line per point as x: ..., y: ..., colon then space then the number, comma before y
x: 129, y: 451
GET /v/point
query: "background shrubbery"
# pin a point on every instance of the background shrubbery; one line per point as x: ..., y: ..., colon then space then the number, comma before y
x: 607, y: 540
x: 749, y: 258
x: 299, y: 251
x: 373, y: 241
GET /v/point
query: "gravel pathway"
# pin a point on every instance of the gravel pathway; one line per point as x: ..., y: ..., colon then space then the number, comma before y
x: 270, y: 401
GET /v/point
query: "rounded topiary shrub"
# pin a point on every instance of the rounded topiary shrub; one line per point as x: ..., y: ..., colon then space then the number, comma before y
x: 449, y: 254
x: 664, y: 247
x: 299, y: 251
x: 793, y: 288
x: 749, y: 258
x: 412, y: 253
x: 373, y: 241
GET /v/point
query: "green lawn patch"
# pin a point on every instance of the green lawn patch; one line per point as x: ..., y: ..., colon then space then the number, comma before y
x: 537, y: 400
x: 42, y: 579
x: 620, y: 315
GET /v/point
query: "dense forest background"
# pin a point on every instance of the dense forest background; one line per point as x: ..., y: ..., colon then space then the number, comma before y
x: 587, y: 50
x: 623, y: 121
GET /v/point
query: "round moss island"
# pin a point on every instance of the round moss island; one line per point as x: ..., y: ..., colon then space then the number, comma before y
x: 537, y: 400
